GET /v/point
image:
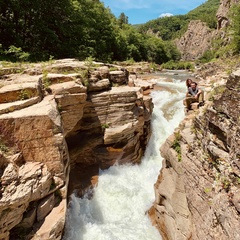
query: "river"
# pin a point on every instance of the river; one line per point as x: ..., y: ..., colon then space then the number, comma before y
x: 125, y: 193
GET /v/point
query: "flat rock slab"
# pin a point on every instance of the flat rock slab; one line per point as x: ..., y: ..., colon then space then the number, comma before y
x: 16, y: 92
x: 53, y: 225
x: 67, y: 88
x: 18, y: 105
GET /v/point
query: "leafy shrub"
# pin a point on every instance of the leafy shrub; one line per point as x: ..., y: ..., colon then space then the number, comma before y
x: 17, y: 53
x: 176, y: 146
x: 3, y: 147
x: 207, y: 56
x: 235, y: 26
x: 172, y: 65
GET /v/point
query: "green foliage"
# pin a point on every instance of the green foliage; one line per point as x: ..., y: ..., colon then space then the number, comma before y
x: 89, y: 62
x: 106, y: 125
x: 75, y: 28
x: 45, y: 79
x: 207, y: 190
x: 17, y: 53
x: 84, y: 77
x: 169, y: 28
x: 113, y: 69
x: 3, y: 147
x: 235, y: 27
x: 24, y: 94
x: 176, y: 65
x: 207, y: 56
x: 86, y: 28
x: 58, y: 195
x: 153, y: 66
x: 225, y: 183
x: 129, y: 61
x: 216, y: 92
x: 155, y: 50
x: 206, y: 12
x: 176, y: 145
x: 122, y: 19
x: 165, y: 27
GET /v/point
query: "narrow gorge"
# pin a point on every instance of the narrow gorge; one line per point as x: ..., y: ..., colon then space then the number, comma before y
x: 91, y: 150
x: 58, y: 130
x: 124, y: 193
x: 59, y: 124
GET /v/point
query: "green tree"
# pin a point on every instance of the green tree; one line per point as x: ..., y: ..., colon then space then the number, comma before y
x: 235, y: 27
x: 122, y: 19
x: 77, y: 28
x: 168, y: 28
x: 155, y: 50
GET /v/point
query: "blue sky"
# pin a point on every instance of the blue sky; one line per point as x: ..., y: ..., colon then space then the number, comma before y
x: 141, y: 11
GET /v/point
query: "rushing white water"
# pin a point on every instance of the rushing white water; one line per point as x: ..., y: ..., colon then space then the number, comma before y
x: 124, y: 193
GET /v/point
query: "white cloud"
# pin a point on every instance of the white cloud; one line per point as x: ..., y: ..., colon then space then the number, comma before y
x: 166, y: 15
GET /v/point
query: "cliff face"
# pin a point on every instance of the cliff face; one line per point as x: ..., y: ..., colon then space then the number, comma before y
x: 198, y: 189
x: 198, y: 37
x: 195, y: 41
x: 58, y: 121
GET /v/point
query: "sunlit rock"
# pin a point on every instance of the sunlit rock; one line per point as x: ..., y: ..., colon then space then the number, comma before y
x: 198, y: 187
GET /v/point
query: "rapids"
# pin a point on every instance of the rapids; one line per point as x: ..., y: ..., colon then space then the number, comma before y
x: 125, y: 193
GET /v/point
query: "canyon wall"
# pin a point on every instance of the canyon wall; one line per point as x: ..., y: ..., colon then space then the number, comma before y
x: 198, y: 189
x: 60, y: 122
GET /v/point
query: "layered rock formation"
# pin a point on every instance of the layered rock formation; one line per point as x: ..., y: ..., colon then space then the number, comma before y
x: 58, y: 121
x: 198, y: 189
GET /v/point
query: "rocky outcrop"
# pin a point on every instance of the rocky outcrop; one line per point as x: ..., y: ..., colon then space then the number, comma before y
x: 57, y: 121
x: 198, y: 189
x: 195, y: 41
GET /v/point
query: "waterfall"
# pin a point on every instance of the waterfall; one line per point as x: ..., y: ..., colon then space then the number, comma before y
x: 125, y: 193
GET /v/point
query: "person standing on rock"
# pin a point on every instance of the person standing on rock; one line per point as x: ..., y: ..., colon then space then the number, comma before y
x: 194, y: 94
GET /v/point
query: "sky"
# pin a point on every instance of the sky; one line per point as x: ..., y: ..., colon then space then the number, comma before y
x: 141, y: 11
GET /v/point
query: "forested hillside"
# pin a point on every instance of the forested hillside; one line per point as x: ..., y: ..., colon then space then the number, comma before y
x: 39, y: 30
x: 169, y: 28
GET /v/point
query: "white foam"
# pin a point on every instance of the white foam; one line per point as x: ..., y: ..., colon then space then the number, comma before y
x: 118, y: 208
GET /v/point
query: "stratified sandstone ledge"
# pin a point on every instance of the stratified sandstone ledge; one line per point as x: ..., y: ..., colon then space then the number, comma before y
x: 60, y: 122
x: 198, y: 189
